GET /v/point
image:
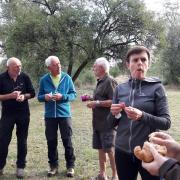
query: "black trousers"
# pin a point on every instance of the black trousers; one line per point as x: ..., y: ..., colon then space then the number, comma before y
x: 51, y: 132
x: 128, y: 167
x: 7, y: 124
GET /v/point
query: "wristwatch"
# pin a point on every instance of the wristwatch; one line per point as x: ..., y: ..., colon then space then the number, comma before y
x: 97, y: 103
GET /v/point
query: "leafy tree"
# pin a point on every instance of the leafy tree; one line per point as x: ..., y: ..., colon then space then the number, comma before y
x: 77, y: 33
x: 171, y: 53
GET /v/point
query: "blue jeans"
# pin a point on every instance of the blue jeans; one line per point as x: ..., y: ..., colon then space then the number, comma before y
x: 7, y: 123
x: 51, y: 132
x: 128, y: 167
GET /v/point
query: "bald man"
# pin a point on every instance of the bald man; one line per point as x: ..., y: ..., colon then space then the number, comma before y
x: 15, y: 90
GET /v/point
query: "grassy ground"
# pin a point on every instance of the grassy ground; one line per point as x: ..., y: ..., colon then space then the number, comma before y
x: 86, y: 157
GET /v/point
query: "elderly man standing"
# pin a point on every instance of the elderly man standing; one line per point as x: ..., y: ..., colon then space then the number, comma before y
x: 103, y: 136
x: 15, y: 90
x: 57, y: 90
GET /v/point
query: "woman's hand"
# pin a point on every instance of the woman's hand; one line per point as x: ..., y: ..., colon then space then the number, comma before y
x: 117, y: 108
x: 133, y: 113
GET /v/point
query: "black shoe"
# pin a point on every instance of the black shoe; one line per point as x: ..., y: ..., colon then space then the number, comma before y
x: 52, y: 172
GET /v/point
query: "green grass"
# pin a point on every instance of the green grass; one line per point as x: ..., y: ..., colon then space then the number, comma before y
x: 86, y: 157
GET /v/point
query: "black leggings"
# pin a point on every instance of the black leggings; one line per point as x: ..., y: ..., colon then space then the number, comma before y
x: 128, y: 167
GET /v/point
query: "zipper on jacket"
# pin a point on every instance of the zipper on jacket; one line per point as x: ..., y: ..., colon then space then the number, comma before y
x: 55, y: 108
x: 56, y: 90
x: 133, y: 87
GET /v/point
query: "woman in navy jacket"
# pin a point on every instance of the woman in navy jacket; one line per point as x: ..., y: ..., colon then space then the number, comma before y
x: 139, y: 108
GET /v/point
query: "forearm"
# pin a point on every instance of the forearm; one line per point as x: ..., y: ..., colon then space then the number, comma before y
x: 68, y: 97
x: 4, y: 97
x: 106, y: 103
x: 28, y: 96
x: 162, y: 122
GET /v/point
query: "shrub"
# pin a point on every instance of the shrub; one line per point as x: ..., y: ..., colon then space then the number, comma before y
x: 114, y: 71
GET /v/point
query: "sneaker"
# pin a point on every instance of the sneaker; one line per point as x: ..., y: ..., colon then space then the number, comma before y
x: 115, y: 178
x: 70, y: 172
x: 1, y: 172
x: 52, y: 171
x: 101, y: 177
x: 20, y: 173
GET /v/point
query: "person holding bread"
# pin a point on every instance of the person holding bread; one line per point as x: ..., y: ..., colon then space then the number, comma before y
x: 139, y: 108
x: 168, y: 166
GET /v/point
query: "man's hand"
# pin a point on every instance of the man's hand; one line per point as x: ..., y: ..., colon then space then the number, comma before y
x: 154, y: 166
x: 20, y: 98
x: 48, y: 97
x: 14, y: 94
x: 57, y: 96
x: 91, y: 104
x: 173, y: 147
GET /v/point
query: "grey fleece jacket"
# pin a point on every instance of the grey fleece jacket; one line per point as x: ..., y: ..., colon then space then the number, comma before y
x: 147, y: 95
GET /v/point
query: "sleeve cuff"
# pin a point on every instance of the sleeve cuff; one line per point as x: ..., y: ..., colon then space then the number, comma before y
x: 166, y: 166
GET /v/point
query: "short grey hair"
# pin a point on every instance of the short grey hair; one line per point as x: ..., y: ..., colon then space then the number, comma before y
x: 102, y: 61
x: 49, y: 59
x: 10, y: 60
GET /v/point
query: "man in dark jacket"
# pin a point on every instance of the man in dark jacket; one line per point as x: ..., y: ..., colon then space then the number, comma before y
x: 15, y: 90
x: 103, y: 136
x: 167, y: 167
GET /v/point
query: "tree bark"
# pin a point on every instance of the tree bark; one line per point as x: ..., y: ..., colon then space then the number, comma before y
x: 80, y: 68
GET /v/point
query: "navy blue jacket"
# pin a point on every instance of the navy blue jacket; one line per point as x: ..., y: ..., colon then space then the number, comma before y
x: 148, y: 96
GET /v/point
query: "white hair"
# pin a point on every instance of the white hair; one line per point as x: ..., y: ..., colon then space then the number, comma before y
x: 12, y: 59
x: 102, y: 61
x: 49, y: 60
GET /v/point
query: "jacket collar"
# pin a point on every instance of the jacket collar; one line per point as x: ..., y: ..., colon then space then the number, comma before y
x: 146, y: 79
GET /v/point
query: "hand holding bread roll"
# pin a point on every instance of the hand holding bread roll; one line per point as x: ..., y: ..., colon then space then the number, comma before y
x: 145, y: 154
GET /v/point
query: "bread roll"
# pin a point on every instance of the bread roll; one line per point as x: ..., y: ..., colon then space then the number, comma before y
x: 145, y: 154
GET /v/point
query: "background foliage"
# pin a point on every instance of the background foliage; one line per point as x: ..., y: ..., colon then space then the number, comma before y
x: 76, y: 31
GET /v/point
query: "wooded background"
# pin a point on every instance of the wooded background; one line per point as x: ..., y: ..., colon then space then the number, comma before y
x: 79, y: 31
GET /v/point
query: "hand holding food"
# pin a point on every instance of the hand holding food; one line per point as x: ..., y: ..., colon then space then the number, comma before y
x: 145, y: 154
x: 85, y: 97
x: 117, y: 108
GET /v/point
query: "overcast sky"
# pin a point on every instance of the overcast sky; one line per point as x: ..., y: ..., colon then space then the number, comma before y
x: 154, y: 5
x: 157, y: 5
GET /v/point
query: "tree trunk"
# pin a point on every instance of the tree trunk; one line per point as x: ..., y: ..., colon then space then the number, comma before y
x: 70, y: 66
x: 78, y: 71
